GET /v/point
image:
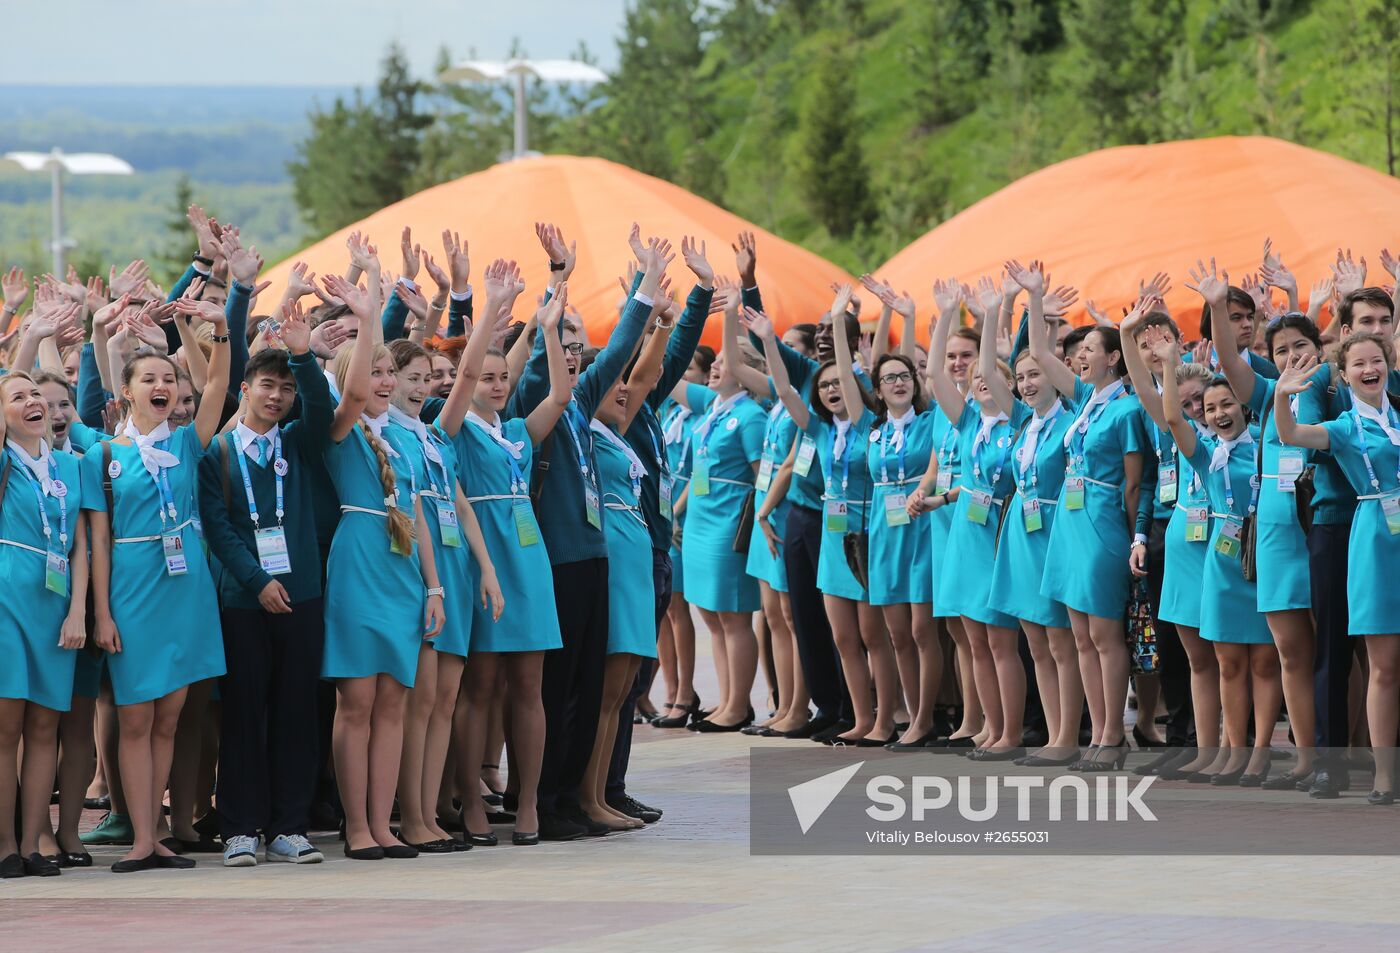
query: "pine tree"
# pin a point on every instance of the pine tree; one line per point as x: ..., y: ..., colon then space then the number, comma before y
x: 832, y: 173
x: 178, y: 246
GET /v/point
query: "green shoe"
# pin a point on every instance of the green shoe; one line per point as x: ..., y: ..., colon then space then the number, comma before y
x: 114, y: 828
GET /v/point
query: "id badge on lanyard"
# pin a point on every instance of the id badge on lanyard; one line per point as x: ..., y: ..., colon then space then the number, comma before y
x: 1228, y: 542
x: 700, y: 476
x: 944, y: 481
x: 1291, y: 461
x: 663, y: 495
x: 447, y: 524
x: 1074, y: 493
x: 174, y: 546
x: 979, y: 505
x: 895, y: 512
x: 1030, y: 515
x: 526, y: 530
x: 56, y: 573
x: 272, y: 550
x: 765, y: 475
x: 1197, y: 518
x: 837, y: 517
x: 806, y: 452
x: 1390, y: 506
x: 1166, y: 483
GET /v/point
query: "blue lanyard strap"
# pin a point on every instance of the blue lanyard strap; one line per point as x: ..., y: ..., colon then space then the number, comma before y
x: 167, y: 495
x: 248, y: 482
x: 885, y: 438
x: 844, y: 460
x: 713, y: 420
x: 445, y: 489
x: 572, y: 416
x: 43, y: 510
x: 1365, y: 454
x: 1001, y: 459
x: 1230, y: 493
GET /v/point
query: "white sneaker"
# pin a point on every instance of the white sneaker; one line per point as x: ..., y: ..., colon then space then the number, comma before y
x: 292, y: 849
x: 241, y: 851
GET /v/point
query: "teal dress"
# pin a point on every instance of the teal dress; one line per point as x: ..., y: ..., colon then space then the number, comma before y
x: 375, y: 598
x: 1373, y: 599
x: 848, y: 487
x: 495, y: 479
x: 1020, y: 557
x: 457, y: 572
x: 31, y: 616
x: 677, y: 424
x: 169, y: 624
x: 1184, y: 562
x: 946, y: 443
x: 1086, y: 565
x: 901, y: 549
x: 778, y: 436
x: 965, y: 585
x: 726, y: 443
x: 1229, y: 603
x: 1285, y: 581
x: 631, y: 587
x: 87, y: 667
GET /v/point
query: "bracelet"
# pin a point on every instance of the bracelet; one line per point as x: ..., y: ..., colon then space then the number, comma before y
x: 11, y: 309
x: 206, y: 262
x: 435, y: 591
x: 557, y: 265
x: 219, y: 338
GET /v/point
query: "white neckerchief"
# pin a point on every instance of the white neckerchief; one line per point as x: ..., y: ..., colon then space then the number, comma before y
x: 151, y: 456
x: 675, y: 429
x: 335, y: 388
x: 247, y: 438
x: 984, y: 432
x: 635, y: 470
x: 376, y: 426
x: 39, y: 466
x: 493, y: 430
x: 420, y: 430
x: 717, y: 409
x: 843, y: 428
x: 1025, y: 456
x: 1379, y: 417
x: 1220, y: 456
x: 1103, y: 396
x: 895, y: 442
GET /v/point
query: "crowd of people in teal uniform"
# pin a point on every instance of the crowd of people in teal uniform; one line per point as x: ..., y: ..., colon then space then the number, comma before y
x: 315, y: 567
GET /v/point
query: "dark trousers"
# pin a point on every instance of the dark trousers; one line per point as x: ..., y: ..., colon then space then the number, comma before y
x: 269, y: 753
x: 1327, y: 561
x: 816, y: 649
x: 622, y: 745
x: 572, y: 681
x: 1174, y: 668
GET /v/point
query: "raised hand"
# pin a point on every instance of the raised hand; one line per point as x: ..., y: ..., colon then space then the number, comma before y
x: 1348, y: 275
x: 363, y: 255
x: 357, y: 299
x: 324, y: 339
x: 657, y: 259
x: 243, y: 263
x: 634, y: 241
x: 1390, y: 263
x: 188, y: 304
x: 841, y: 304
x: 1060, y: 300
x: 1158, y: 287
x: 696, y: 261
x: 440, y: 278
x: 757, y: 323
x: 411, y: 254
x: 300, y: 281
x: 204, y: 232
x: 948, y: 295
x: 1259, y: 291
x: 412, y: 299
x: 1213, y: 285
x: 551, y: 312
x: 296, y: 331
x: 130, y: 281
x: 459, y: 263
x: 988, y: 298
x: 142, y: 326
x: 15, y: 288
x: 1294, y: 377
x: 1031, y: 277
x: 746, y: 259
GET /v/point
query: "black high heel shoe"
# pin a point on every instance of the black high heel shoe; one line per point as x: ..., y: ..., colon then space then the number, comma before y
x: 1085, y: 759
x: 1145, y: 743
x: 522, y: 839
x: 1094, y: 765
x: 687, y: 712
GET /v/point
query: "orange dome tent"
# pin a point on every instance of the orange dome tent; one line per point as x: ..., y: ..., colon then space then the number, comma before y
x: 1107, y: 220
x: 594, y: 202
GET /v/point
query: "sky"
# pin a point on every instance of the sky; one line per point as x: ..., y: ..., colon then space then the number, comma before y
x: 283, y: 42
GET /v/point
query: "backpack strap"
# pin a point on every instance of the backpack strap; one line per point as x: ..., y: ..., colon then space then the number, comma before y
x: 541, y: 469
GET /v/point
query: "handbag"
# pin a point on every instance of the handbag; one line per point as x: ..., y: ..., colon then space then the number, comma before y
x: 743, y: 533
x: 1142, y: 630
x: 1248, y: 565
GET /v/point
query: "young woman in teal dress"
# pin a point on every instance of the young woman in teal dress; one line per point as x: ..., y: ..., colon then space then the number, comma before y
x: 1086, y: 564
x: 725, y: 449
x: 493, y: 463
x: 153, y: 595
x: 937, y: 496
x: 675, y: 645
x: 1188, y: 533
x: 1230, y: 618
x: 42, y: 622
x: 1038, y: 469
x: 1285, y: 592
x: 842, y: 445
x: 964, y: 585
x: 383, y: 598
x: 1366, y: 442
x: 462, y: 559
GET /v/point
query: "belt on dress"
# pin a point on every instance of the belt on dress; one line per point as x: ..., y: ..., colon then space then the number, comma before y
x: 497, y: 496
x: 913, y: 479
x: 32, y: 549
x: 625, y: 507
x: 152, y: 539
x: 347, y: 508
x: 731, y: 482
x: 1375, y: 496
x: 1111, y: 486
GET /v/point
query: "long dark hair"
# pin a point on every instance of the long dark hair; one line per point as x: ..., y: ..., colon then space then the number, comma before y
x: 920, y: 400
x: 819, y: 406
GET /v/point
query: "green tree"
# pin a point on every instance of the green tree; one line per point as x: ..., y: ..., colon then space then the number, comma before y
x: 1369, y: 42
x: 946, y: 57
x: 174, y: 252
x: 832, y: 173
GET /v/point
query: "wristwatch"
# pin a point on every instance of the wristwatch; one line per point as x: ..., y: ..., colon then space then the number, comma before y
x: 219, y: 338
x: 435, y: 591
x: 557, y: 265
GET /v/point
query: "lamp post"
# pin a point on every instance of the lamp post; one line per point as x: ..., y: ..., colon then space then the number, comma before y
x: 56, y: 162
x: 552, y: 71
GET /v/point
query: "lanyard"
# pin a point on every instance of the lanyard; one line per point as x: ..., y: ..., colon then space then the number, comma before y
x: 277, y: 467
x: 948, y: 448
x: 43, y: 510
x: 571, y: 423
x: 167, y: 495
x: 412, y: 475
x: 1080, y: 428
x: 1230, y: 493
x: 1365, y: 454
x: 721, y: 410
x: 445, y: 489
x: 1001, y: 459
x: 1033, y: 469
x: 885, y: 438
x: 657, y: 450
x: 770, y: 432
x: 844, y: 460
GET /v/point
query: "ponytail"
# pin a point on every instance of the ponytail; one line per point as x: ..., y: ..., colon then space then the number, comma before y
x: 400, y: 523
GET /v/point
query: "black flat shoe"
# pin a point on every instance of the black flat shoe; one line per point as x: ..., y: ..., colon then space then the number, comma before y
x: 706, y: 727
x: 1040, y: 761
x: 997, y: 754
x: 1227, y: 779
x: 103, y: 803
x: 963, y: 742
x: 1377, y: 798
x: 831, y: 731
x: 172, y: 844
x: 869, y: 742
x: 460, y: 846
x: 365, y: 853
x: 12, y: 867
x: 918, y: 744
x: 488, y: 839
x: 400, y: 852
x: 435, y: 847
x: 1254, y: 779
x: 80, y: 858
x: 556, y: 828
x: 522, y: 839
x: 149, y: 862
x: 1286, y: 782
x: 37, y: 865
x: 812, y: 727
x: 174, y: 862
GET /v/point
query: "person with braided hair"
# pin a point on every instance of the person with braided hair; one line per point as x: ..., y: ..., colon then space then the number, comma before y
x: 382, y: 592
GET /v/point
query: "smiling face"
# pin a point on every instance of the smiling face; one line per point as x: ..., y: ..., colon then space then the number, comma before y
x: 61, y: 410
x: 1367, y: 317
x: 1192, y: 393
x: 1289, y: 342
x: 443, y: 377
x: 895, y: 385
x: 184, y: 409
x: 828, y: 391
x: 382, y: 381
x: 71, y: 363
x: 269, y: 397
x: 1033, y: 385
x: 1097, y: 364
x: 492, y: 387
x: 720, y: 378
x: 1149, y: 357
x: 1364, y: 369
x: 26, y: 411
x: 152, y: 389
x: 961, y: 355
x: 613, y: 410
x: 413, y: 385
x: 1223, y: 413
x: 573, y: 353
